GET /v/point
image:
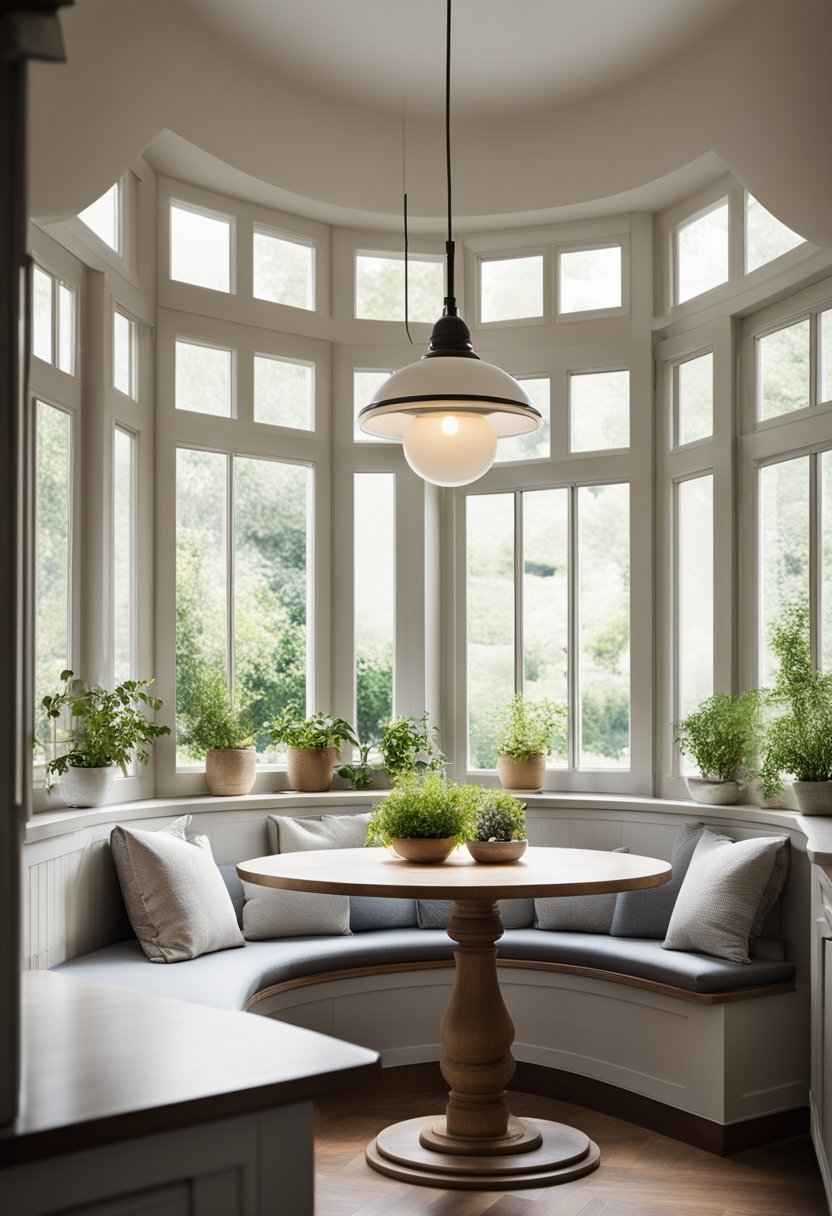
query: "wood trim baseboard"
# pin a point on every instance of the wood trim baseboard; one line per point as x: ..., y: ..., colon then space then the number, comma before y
x: 593, y: 973
x: 717, y: 1138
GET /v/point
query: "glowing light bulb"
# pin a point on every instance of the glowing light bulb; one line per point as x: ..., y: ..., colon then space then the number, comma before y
x: 450, y: 449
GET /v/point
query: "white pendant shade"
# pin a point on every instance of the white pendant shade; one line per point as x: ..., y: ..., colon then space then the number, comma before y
x: 449, y: 448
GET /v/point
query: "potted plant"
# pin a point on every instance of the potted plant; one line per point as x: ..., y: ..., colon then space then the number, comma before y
x: 106, y: 729
x: 799, y: 741
x: 722, y: 736
x: 424, y: 816
x: 407, y: 746
x: 499, y: 828
x: 361, y: 772
x: 527, y: 730
x: 213, y: 728
x: 311, y: 747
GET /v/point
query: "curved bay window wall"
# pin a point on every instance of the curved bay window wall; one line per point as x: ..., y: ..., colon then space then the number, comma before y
x: 205, y: 507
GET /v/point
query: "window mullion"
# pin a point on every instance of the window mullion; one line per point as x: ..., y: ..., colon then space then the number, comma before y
x: 230, y: 563
x: 572, y: 633
x: 518, y: 591
x: 815, y: 560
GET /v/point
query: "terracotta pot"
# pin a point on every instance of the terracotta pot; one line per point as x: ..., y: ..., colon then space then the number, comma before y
x: 87, y: 786
x: 522, y: 774
x: 813, y: 797
x: 230, y: 770
x: 428, y: 852
x: 496, y: 852
x: 310, y: 768
x: 713, y: 793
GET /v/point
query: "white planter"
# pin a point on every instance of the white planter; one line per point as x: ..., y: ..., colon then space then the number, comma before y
x: 813, y: 797
x: 713, y: 793
x: 82, y: 787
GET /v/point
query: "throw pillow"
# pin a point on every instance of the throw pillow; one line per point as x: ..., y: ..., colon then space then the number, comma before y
x: 435, y: 913
x: 774, y: 886
x: 577, y: 913
x: 720, y: 896
x: 269, y: 912
x: 174, y: 893
x: 647, y: 913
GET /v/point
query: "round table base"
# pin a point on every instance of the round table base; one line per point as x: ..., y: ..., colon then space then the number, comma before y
x: 564, y: 1154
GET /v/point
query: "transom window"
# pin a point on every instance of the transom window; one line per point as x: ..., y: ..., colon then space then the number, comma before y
x: 589, y: 279
x: 125, y: 354
x: 599, y: 411
x: 792, y: 366
x: 766, y: 238
x: 200, y: 247
x: 284, y: 392
x: 701, y: 252
x: 511, y: 288
x: 379, y: 287
x: 204, y: 378
x: 103, y: 217
x: 53, y: 320
x: 284, y: 269
x: 537, y: 445
x: 366, y: 382
x: 693, y: 400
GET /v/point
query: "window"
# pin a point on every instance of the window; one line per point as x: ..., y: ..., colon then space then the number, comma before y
x: 589, y: 279
x: 374, y: 600
x: 284, y: 392
x: 379, y: 287
x: 125, y: 361
x: 124, y: 554
x: 242, y: 584
x: 701, y: 248
x: 200, y: 247
x: 204, y: 378
x: 555, y: 611
x: 103, y: 217
x: 511, y: 288
x: 53, y: 321
x: 825, y: 330
x: 284, y: 269
x: 694, y: 593
x: 825, y: 647
x: 53, y: 560
x: 766, y: 238
x: 535, y: 446
x: 784, y: 370
x: 784, y: 550
x: 365, y: 383
x: 599, y: 411
x: 693, y: 399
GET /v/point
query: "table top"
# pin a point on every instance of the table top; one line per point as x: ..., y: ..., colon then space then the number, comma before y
x: 375, y: 871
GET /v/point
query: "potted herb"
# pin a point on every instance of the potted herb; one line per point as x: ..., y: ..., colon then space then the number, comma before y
x: 722, y: 736
x: 424, y: 816
x: 361, y: 772
x: 527, y: 731
x: 311, y: 747
x: 499, y: 828
x: 799, y: 741
x: 106, y: 729
x: 213, y: 728
x: 407, y: 746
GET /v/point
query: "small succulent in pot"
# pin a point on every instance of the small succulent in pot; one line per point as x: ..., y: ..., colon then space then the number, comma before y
x: 500, y: 828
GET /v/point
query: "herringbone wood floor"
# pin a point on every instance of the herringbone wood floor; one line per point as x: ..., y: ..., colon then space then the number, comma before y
x: 641, y: 1174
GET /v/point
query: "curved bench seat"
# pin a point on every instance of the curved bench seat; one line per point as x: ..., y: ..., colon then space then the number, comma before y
x: 229, y: 979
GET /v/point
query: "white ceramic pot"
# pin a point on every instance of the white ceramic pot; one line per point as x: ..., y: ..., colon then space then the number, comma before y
x: 81, y: 787
x: 813, y: 797
x: 713, y: 793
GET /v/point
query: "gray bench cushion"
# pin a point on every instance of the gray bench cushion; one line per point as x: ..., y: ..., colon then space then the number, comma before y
x: 228, y: 979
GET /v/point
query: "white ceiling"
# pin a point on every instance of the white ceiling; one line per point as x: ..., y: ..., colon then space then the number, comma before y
x: 509, y: 56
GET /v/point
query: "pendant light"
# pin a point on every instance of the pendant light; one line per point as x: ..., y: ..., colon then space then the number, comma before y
x: 449, y: 409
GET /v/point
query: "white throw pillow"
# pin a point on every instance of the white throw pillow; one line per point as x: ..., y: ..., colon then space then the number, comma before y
x: 174, y: 893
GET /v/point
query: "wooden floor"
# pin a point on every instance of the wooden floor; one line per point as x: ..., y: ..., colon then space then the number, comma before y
x: 641, y: 1173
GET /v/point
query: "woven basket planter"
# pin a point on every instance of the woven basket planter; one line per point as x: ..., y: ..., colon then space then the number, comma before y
x: 521, y: 774
x: 310, y: 768
x: 230, y: 770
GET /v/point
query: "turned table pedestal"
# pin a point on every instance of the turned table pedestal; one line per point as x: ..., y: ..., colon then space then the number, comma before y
x: 478, y: 1144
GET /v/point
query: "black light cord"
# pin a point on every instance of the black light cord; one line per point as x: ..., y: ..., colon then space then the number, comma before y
x: 450, y: 301
x: 406, y: 318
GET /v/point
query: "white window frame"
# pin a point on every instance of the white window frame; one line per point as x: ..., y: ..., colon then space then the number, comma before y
x: 593, y: 314
x: 512, y: 255
x: 292, y: 238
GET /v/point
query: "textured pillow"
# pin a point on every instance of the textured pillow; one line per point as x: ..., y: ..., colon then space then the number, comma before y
x: 774, y: 886
x: 269, y: 912
x: 647, y: 913
x: 174, y: 893
x: 721, y: 894
x: 577, y: 913
x: 435, y: 913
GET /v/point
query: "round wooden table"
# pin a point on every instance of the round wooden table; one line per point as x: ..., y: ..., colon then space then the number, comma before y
x: 478, y: 1145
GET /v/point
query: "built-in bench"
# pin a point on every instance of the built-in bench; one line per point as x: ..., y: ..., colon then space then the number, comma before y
x: 673, y: 1029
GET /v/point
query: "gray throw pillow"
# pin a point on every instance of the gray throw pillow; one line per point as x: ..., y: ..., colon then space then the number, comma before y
x: 647, y: 913
x: 774, y: 886
x: 577, y: 913
x: 174, y: 893
x: 269, y: 912
x: 514, y: 913
x: 720, y: 896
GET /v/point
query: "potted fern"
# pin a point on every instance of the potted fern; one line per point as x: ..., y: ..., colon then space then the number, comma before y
x: 311, y: 747
x: 527, y: 731
x: 408, y: 746
x: 107, y: 730
x: 213, y: 728
x: 722, y: 737
x: 799, y: 741
x: 499, y: 828
x: 424, y: 817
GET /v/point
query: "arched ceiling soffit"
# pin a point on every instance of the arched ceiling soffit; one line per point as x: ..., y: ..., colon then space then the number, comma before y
x: 756, y: 93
